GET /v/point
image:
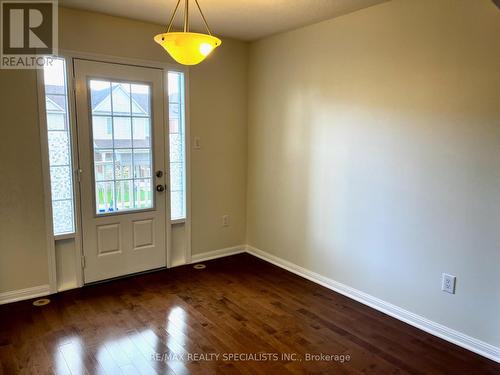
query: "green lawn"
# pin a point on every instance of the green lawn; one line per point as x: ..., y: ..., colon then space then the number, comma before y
x: 105, y: 199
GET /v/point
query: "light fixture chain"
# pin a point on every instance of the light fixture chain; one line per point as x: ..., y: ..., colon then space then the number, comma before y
x: 203, y: 17
x: 173, y: 16
x: 186, y: 17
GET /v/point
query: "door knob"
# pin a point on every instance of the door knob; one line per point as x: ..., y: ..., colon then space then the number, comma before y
x: 160, y: 188
x: 159, y: 174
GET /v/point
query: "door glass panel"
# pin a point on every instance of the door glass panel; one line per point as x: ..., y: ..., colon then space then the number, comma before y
x: 100, y: 94
x: 141, y: 131
x: 143, y: 193
x: 121, y: 102
x: 123, y: 164
x: 103, y: 165
x: 124, y: 195
x: 142, y: 163
x: 121, y: 138
x: 140, y: 100
x: 105, y: 197
x: 122, y: 132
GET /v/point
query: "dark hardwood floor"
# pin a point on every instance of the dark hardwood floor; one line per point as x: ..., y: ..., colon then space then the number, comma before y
x: 240, y: 308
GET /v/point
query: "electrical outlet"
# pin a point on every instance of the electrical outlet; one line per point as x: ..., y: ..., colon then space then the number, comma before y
x: 197, y: 143
x: 448, y: 283
x: 225, y: 220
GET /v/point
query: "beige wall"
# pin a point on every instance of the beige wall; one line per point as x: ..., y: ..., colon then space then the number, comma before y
x: 218, y: 90
x: 374, y: 155
x: 23, y: 253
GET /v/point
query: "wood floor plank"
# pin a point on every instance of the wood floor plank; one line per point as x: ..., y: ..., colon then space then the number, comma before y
x: 239, y: 308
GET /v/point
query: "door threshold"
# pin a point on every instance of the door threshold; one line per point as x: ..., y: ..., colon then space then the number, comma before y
x: 126, y: 276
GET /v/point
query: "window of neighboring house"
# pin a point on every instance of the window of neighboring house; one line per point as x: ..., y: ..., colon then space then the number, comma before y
x: 177, y: 136
x: 109, y: 127
x: 59, y: 142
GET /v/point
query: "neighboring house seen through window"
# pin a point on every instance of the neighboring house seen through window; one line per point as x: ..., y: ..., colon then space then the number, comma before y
x: 122, y: 148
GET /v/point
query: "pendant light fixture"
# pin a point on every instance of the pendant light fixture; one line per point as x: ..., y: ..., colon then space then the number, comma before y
x: 185, y: 47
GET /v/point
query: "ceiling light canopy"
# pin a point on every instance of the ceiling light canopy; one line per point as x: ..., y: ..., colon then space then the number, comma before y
x: 185, y: 47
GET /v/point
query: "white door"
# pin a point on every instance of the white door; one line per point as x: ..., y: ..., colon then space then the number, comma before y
x: 121, y: 147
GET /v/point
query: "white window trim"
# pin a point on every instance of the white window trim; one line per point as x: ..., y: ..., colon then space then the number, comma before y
x: 49, y: 228
x: 183, y: 108
x: 178, y: 221
x: 187, y: 152
x: 51, y: 239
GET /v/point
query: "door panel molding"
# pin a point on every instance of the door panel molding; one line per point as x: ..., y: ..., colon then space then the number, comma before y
x: 140, y: 239
x: 108, y: 245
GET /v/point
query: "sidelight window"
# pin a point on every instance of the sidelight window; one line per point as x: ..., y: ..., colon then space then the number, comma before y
x: 59, y: 144
x: 177, y: 137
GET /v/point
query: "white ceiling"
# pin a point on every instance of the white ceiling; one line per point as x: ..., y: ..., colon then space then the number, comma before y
x: 239, y: 19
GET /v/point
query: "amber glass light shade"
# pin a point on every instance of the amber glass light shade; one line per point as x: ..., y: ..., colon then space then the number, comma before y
x: 188, y: 48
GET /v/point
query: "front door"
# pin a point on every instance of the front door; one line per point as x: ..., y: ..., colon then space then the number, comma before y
x: 121, y: 147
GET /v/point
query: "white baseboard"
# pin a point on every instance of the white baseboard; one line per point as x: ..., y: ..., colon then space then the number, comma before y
x: 208, y: 255
x: 22, y: 294
x: 436, y: 329
x: 67, y: 286
x: 178, y: 263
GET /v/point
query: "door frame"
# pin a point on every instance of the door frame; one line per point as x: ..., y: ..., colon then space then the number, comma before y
x: 70, y: 56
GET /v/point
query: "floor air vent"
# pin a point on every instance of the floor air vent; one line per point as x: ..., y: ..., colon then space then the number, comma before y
x: 41, y: 302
